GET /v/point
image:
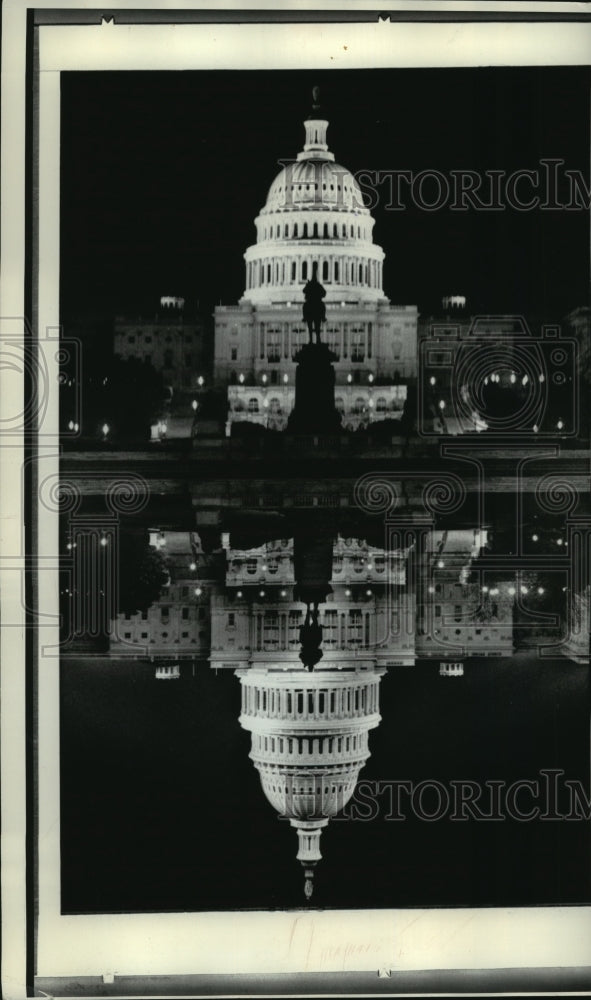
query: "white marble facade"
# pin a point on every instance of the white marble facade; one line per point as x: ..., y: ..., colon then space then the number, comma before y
x: 314, y: 214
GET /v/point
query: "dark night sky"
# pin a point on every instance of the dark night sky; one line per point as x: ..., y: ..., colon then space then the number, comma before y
x: 163, y: 174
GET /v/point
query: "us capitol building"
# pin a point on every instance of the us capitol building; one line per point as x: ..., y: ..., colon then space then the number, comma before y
x: 314, y: 213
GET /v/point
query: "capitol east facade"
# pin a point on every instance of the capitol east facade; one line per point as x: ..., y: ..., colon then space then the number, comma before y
x: 314, y: 214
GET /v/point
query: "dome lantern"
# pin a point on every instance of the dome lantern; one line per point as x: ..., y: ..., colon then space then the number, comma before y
x: 316, y: 125
x: 316, y: 146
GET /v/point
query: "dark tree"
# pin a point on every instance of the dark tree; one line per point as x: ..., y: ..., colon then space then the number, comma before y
x: 142, y: 574
x: 127, y: 395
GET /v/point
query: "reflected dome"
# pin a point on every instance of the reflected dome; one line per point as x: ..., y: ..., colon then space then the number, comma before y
x: 309, y: 743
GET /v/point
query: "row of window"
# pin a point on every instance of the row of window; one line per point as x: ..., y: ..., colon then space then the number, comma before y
x: 314, y: 230
x: 259, y: 273
x: 166, y: 608
x: 147, y: 338
x: 163, y: 635
x: 280, y: 702
x: 300, y: 746
x: 168, y: 360
x: 353, y: 339
x: 359, y: 405
x: 273, y: 632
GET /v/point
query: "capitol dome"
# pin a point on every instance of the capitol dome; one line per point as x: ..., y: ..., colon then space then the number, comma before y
x: 309, y: 742
x: 314, y: 213
x: 315, y: 184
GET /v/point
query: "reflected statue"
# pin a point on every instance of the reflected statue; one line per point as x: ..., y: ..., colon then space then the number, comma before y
x: 312, y: 550
x: 311, y: 638
x: 314, y: 312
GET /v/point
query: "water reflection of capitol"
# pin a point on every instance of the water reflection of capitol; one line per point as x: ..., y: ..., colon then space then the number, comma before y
x: 309, y: 728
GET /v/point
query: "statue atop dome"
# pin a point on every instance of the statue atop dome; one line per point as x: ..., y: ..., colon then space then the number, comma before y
x: 314, y: 312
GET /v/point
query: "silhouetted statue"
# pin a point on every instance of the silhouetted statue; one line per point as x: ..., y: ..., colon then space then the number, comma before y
x: 314, y: 313
x: 310, y: 638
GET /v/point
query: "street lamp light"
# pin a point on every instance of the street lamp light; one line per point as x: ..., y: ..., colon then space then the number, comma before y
x: 105, y: 429
x: 200, y: 380
x: 194, y: 404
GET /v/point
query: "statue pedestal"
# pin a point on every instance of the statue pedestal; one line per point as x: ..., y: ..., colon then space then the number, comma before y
x: 314, y: 411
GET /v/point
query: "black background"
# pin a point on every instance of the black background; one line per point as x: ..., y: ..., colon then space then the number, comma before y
x: 163, y: 174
